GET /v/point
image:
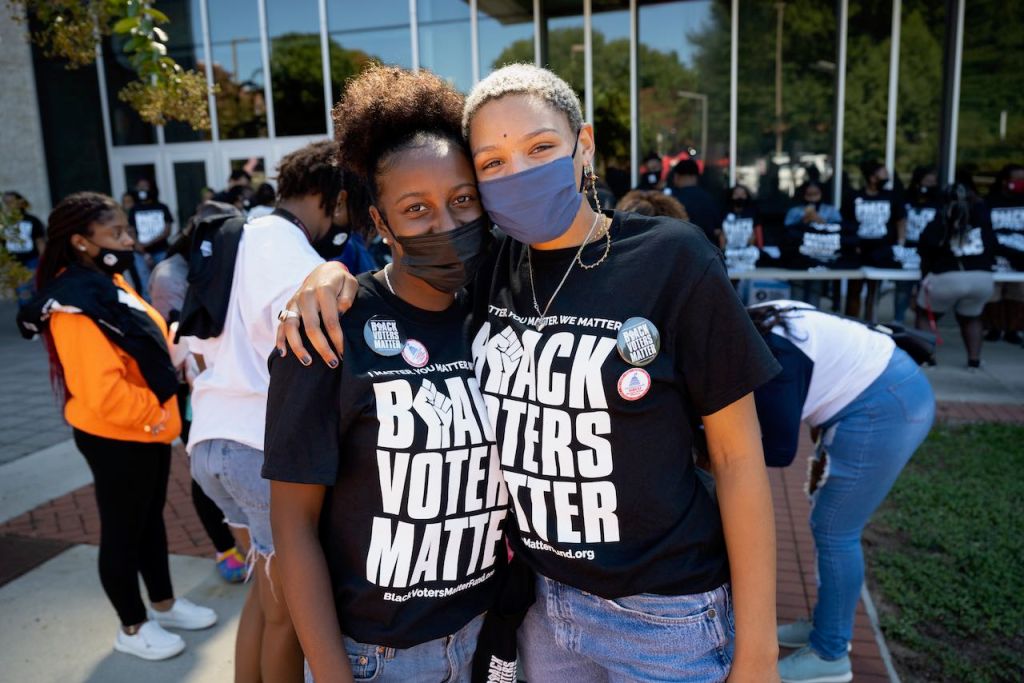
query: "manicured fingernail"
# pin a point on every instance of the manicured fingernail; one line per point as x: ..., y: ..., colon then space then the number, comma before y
x: 333, y: 363
x: 306, y: 360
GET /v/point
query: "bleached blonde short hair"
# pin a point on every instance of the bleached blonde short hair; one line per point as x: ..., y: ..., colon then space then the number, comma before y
x: 524, y: 79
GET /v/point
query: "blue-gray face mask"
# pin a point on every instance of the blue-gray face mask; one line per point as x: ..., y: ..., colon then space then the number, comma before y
x: 536, y: 205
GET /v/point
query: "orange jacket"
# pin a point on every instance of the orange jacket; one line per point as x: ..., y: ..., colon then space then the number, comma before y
x: 108, y: 395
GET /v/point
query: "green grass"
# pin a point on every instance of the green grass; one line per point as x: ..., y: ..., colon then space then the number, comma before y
x: 946, y: 557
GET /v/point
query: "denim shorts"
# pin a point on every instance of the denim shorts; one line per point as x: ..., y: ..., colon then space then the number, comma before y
x: 572, y: 635
x: 229, y: 473
x: 448, y: 659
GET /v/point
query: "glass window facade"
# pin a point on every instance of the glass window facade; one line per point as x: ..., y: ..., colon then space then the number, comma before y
x: 185, y: 46
x: 359, y: 32
x: 785, y: 98
x: 786, y: 80
x: 991, y: 123
x: 296, y: 67
x: 683, y: 74
x: 445, y: 43
x: 238, y: 68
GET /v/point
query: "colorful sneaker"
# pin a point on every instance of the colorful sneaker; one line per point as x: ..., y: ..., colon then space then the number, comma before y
x: 805, y: 666
x: 231, y: 566
x: 151, y: 642
x: 184, y: 614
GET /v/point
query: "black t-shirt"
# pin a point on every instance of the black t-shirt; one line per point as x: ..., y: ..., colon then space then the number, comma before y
x: 816, y: 245
x: 975, y: 250
x: 1008, y: 223
x: 149, y: 220
x: 701, y: 209
x: 597, y: 452
x: 413, y: 520
x: 21, y: 238
x: 738, y: 228
x: 876, y: 217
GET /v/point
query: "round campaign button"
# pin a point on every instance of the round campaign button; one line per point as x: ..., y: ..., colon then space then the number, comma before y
x: 415, y: 353
x: 384, y: 335
x: 634, y: 384
x: 638, y: 341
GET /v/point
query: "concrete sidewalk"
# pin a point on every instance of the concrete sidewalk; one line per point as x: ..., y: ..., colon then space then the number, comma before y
x: 58, y: 626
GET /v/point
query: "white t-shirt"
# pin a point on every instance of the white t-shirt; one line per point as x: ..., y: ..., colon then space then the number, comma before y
x: 847, y: 357
x: 229, y: 398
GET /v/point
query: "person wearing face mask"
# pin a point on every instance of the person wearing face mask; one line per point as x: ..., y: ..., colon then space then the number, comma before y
x: 344, y: 245
x: 151, y: 219
x: 740, y: 235
x: 614, y: 345
x: 817, y: 237
x: 111, y: 365
x: 229, y: 396
x: 921, y: 203
x: 1004, y: 315
x: 385, y: 487
x: 881, y: 223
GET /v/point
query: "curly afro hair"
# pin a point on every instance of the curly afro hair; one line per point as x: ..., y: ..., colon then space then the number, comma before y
x: 384, y: 110
x: 313, y: 169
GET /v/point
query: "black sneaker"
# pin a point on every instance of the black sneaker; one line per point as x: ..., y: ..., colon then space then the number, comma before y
x: 993, y: 335
x: 1012, y: 337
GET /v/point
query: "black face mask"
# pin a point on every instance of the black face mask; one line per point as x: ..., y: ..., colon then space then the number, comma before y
x: 924, y: 193
x: 332, y: 244
x: 114, y: 261
x: 447, y: 261
x: 739, y: 203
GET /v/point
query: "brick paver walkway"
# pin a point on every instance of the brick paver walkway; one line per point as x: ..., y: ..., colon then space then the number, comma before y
x: 73, y: 519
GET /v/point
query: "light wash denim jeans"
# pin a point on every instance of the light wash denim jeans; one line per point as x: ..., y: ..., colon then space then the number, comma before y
x: 229, y: 473
x: 446, y: 660
x: 570, y: 635
x: 862, y: 451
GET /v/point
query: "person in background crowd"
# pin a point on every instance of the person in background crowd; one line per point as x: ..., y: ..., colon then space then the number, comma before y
x: 637, y: 613
x: 262, y: 201
x: 1004, y: 315
x: 206, y: 195
x: 24, y: 240
x: 957, y: 254
x: 920, y: 205
x: 110, y: 364
x: 881, y: 223
x: 650, y: 176
x: 138, y: 271
x: 700, y: 207
x: 128, y: 201
x: 869, y: 407
x: 401, y: 133
x: 817, y: 236
x: 617, y: 174
x: 740, y: 235
x: 151, y: 220
x: 229, y: 397
x: 167, y: 285
x: 344, y: 245
x: 652, y: 203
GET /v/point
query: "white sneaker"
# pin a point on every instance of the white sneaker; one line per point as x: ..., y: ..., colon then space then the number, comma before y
x: 151, y: 642
x: 184, y: 614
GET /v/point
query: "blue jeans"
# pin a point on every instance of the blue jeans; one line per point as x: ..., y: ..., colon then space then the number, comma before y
x: 902, y: 296
x: 573, y: 636
x: 229, y: 473
x: 448, y: 659
x: 862, y: 451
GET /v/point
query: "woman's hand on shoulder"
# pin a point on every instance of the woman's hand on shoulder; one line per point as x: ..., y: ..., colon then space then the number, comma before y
x: 328, y: 288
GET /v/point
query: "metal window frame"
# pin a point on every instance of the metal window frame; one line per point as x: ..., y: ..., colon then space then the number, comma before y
x: 843, y: 7
x: 894, y: 82
x: 634, y: 98
x: 953, y: 72
x: 733, y: 91
x: 325, y: 65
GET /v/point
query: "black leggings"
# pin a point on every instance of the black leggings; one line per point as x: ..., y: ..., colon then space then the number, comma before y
x: 131, y: 486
